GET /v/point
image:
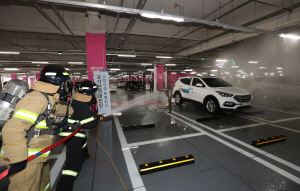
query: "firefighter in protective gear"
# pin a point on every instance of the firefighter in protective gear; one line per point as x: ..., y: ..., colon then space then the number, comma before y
x: 35, y: 175
x: 77, y: 145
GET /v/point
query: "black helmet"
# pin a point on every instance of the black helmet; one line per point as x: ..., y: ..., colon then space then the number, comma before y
x: 54, y: 74
x: 88, y: 88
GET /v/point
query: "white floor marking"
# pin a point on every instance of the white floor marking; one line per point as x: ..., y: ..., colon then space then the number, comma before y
x: 269, y: 123
x: 53, y: 156
x: 136, y: 180
x: 277, y: 121
x: 57, y: 167
x: 288, y: 119
x: 241, y: 127
x: 278, y: 110
x: 164, y: 139
x: 273, y: 157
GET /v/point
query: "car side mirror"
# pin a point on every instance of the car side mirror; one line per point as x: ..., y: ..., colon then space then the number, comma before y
x: 199, y: 85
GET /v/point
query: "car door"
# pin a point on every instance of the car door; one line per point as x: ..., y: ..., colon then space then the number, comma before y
x: 184, y: 87
x: 197, y: 93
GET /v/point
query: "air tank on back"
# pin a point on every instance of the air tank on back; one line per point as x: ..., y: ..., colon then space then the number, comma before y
x: 12, y: 92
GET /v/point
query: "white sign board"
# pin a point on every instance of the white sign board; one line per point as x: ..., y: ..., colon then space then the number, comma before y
x: 103, y: 94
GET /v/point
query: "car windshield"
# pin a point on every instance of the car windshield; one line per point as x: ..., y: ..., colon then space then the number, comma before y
x: 216, y: 82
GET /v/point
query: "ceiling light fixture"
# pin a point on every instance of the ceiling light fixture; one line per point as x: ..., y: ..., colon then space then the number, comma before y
x: 6, y: 52
x: 279, y: 68
x: 40, y: 62
x: 126, y: 55
x: 160, y: 16
x: 221, y: 60
x: 170, y: 64
x: 214, y: 70
x: 262, y: 67
x: 234, y: 66
x: 164, y: 57
x: 252, y: 62
x: 188, y: 70
x: 11, y: 69
x: 75, y: 63
x: 146, y: 64
x: 183, y: 72
x: 114, y: 69
x: 289, y: 36
x: 150, y: 69
x: 173, y: 73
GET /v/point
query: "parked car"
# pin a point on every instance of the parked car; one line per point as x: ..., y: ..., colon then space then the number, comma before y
x: 113, y: 85
x: 279, y: 87
x: 121, y: 84
x: 214, y: 93
x: 134, y: 85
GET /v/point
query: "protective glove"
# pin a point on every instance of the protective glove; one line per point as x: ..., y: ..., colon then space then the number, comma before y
x: 17, y: 167
x: 99, y: 117
x: 74, y: 126
x: 56, y: 131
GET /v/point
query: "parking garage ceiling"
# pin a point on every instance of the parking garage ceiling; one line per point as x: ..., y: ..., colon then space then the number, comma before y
x: 45, y: 33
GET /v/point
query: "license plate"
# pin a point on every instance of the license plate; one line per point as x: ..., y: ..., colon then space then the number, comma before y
x: 246, y: 104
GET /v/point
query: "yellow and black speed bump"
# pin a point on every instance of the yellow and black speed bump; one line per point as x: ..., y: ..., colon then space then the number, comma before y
x: 269, y: 140
x: 113, y: 92
x: 208, y: 118
x: 135, y: 127
x: 166, y: 164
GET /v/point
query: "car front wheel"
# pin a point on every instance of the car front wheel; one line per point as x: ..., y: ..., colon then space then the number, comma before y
x: 212, y: 106
x: 178, y: 99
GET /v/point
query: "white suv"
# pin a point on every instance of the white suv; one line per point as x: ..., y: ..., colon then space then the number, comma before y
x: 214, y: 93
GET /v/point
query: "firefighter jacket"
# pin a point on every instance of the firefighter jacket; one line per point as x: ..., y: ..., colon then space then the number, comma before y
x: 27, y: 110
x: 82, y: 114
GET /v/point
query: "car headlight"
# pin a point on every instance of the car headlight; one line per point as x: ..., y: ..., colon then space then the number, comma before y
x: 224, y: 94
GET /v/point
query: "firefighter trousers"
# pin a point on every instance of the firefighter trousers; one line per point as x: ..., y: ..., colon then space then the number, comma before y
x: 75, y: 155
x: 35, y: 177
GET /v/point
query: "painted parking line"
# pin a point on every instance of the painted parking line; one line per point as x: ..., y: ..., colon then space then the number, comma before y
x: 273, y: 157
x: 240, y: 127
x: 278, y: 110
x: 268, y: 123
x: 277, y: 121
x: 283, y: 120
x: 164, y: 139
x: 55, y: 170
x: 258, y: 159
x: 136, y: 180
x: 53, y: 156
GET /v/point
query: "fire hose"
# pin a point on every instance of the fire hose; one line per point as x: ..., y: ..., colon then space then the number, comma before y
x: 3, y: 174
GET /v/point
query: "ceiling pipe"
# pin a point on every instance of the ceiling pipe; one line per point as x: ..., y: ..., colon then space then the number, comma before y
x: 276, y: 13
x: 192, y: 24
x: 198, y: 28
x: 162, y: 16
x: 115, y: 28
x: 132, y: 21
x: 52, y: 22
x: 66, y: 25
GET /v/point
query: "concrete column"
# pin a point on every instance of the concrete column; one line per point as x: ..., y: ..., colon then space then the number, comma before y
x: 159, y: 77
x: 13, y: 76
x: 96, y: 53
x: 37, y: 76
x: 169, y: 80
x: 144, y: 78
